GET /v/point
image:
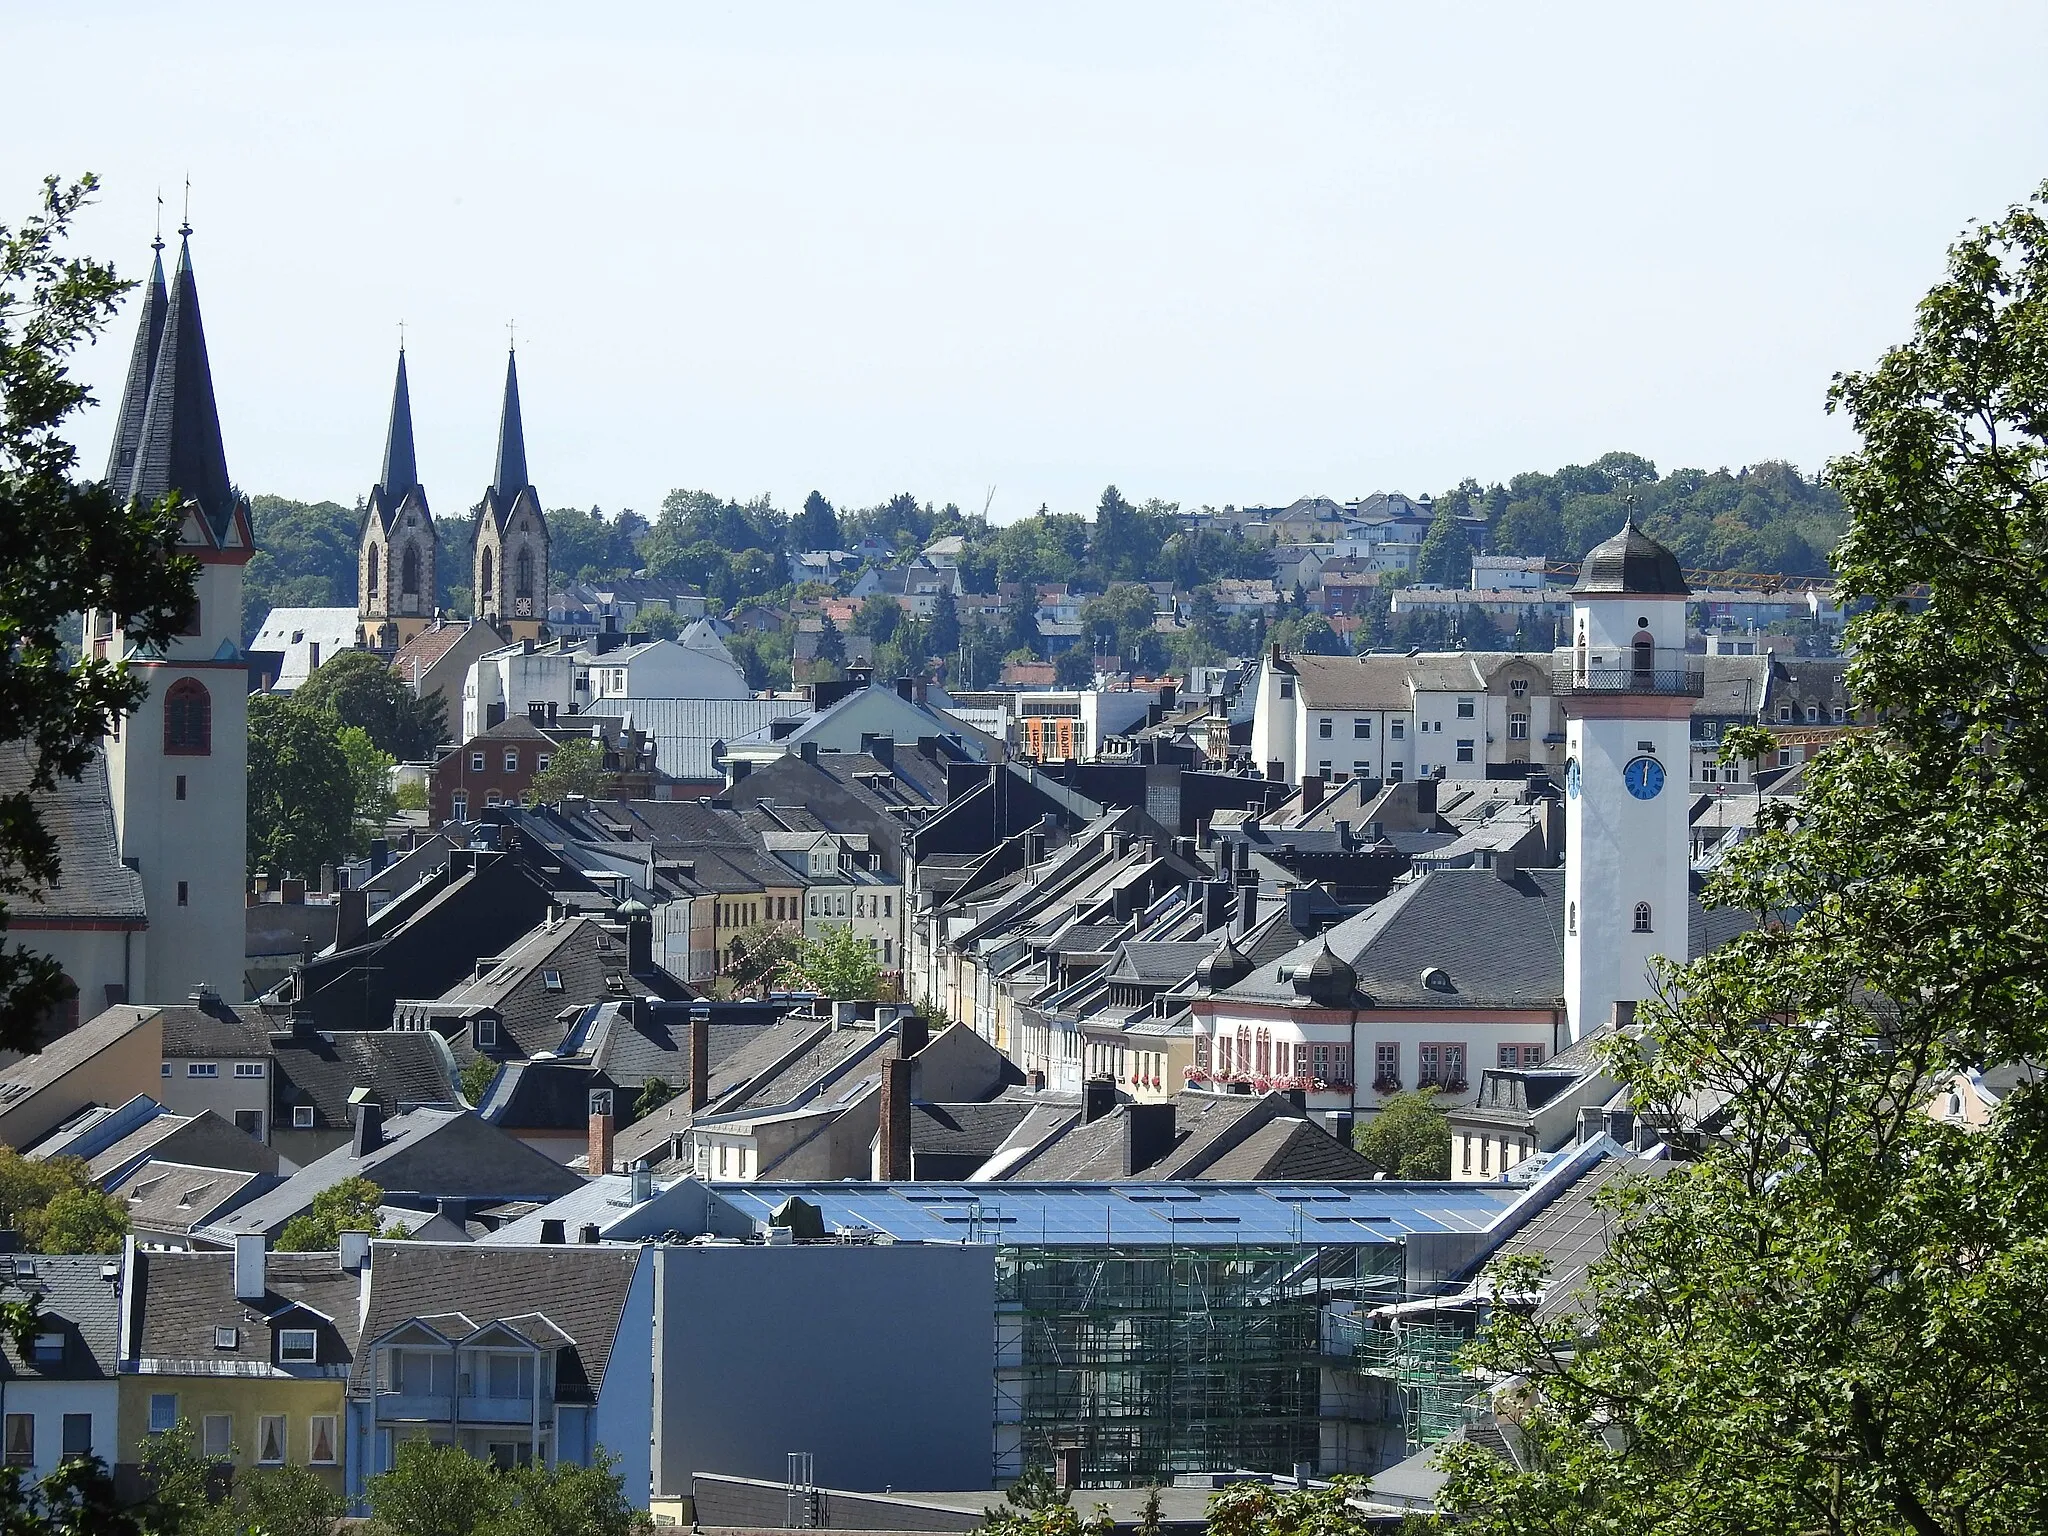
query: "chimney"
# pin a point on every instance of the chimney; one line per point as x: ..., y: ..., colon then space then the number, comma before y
x: 906, y: 689
x: 1340, y: 1126
x: 369, y: 1132
x: 1247, y: 902
x: 587, y: 1234
x: 893, y: 1134
x: 700, y: 1059
x: 807, y: 750
x: 1311, y: 793
x: 1624, y: 1015
x: 326, y: 879
x: 551, y: 1229
x: 739, y: 768
x: 249, y: 1281
x: 1621, y: 1125
x: 354, y: 1251
x: 1035, y: 1080
x: 913, y: 1034
x: 1298, y: 1099
x: 1098, y: 1098
x: 639, y: 942
x: 1066, y: 1468
x: 351, y: 918
x: 643, y: 1182
x: 1343, y: 837
x: 551, y: 711
x: 536, y: 711
x: 451, y: 1209
x: 881, y: 747
x: 380, y: 855
x: 1148, y: 1135
x: 291, y: 890
x: 1300, y: 909
x: 1215, y: 904
x: 1276, y: 770
x: 600, y: 1131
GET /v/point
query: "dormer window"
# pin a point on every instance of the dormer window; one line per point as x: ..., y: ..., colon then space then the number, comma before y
x: 298, y: 1346
x: 49, y: 1348
x: 551, y: 980
x: 485, y: 1032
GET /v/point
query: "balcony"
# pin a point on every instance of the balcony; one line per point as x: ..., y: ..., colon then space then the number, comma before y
x: 1674, y: 674
x: 503, y: 1410
x: 415, y: 1407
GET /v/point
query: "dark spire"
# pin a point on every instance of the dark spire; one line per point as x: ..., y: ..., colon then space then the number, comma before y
x: 401, y: 470
x: 509, y: 477
x: 149, y: 334
x: 180, y: 442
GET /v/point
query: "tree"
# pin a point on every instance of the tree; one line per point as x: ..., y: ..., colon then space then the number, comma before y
x: 437, y: 1490
x: 570, y: 1500
x: 350, y: 1206
x: 878, y: 618
x: 839, y: 963
x: 576, y: 768
x: 759, y: 958
x: 57, y: 1206
x: 65, y: 546
x: 1445, y: 558
x: 288, y: 1500
x: 654, y: 1092
x: 478, y: 1073
x: 816, y: 527
x: 1127, y: 540
x: 1034, y: 1506
x: 1074, y: 668
x: 944, y: 634
x: 369, y: 773
x: 1020, y: 622
x: 302, y: 794
x: 1409, y: 1137
x: 359, y: 689
x: 409, y: 796
x: 831, y: 644
x: 658, y: 623
x: 1830, y: 1320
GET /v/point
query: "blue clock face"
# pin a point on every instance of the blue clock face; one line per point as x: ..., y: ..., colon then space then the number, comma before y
x: 1571, y: 777
x: 1644, y: 776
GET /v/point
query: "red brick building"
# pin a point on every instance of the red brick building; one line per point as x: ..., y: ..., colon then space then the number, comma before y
x: 498, y: 766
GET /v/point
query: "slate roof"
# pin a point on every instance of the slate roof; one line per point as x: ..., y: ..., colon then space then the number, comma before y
x: 580, y: 1290
x: 165, y: 1196
x: 1161, y: 963
x: 180, y: 444
x: 1216, y: 1137
x: 1290, y: 1149
x: 1572, y: 1233
x: 93, y: 882
x: 204, y: 1140
x: 1361, y: 683
x: 426, y: 1155
x: 965, y: 1130
x: 1631, y: 563
x: 401, y: 1068
x: 68, y: 1052
x: 516, y: 989
x: 76, y: 1298
x: 751, y: 1057
x: 213, y: 1028
x: 824, y: 1054
x: 688, y: 732
x: 180, y: 1298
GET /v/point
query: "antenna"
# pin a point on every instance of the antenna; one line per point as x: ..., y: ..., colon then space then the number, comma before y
x: 512, y: 335
x: 401, y: 335
x: 988, y: 502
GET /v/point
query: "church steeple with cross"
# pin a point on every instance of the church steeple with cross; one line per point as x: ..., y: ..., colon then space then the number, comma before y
x: 397, y: 548
x: 511, y: 568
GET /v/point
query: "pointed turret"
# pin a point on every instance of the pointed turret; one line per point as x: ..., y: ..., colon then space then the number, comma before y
x: 180, y: 445
x: 508, y: 478
x: 401, y: 471
x: 149, y: 335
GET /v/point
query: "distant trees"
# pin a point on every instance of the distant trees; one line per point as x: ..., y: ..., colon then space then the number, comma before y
x: 576, y: 767
x: 816, y: 527
x: 839, y: 963
x: 302, y: 792
x: 1409, y: 1137
x: 57, y: 1206
x: 359, y: 689
x: 305, y: 558
x: 350, y: 1206
x: 1445, y: 558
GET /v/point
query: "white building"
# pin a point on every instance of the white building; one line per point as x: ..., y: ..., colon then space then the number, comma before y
x: 61, y: 1396
x: 566, y: 680
x: 846, y: 887
x: 305, y: 637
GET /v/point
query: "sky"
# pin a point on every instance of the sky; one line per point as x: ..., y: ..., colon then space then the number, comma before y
x: 1006, y: 255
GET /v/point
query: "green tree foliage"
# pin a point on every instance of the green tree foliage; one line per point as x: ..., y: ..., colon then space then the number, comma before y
x: 1831, y: 1320
x: 839, y: 963
x: 760, y: 958
x: 1445, y: 558
x: 728, y: 549
x: 1409, y: 1137
x: 441, y: 1490
x: 1074, y: 668
x: 575, y: 768
x: 1042, y: 548
x: 1033, y: 1506
x: 1305, y: 634
x: 409, y: 796
x: 878, y: 618
x: 290, y: 1500
x: 305, y: 558
x: 944, y: 634
x: 1126, y: 541
x: 816, y: 527
x: 57, y: 1206
x: 586, y: 546
x: 478, y: 1073
x: 369, y: 773
x: 1260, y: 1509
x: 654, y: 1092
x: 359, y: 689
x: 65, y: 546
x: 831, y: 644
x: 302, y: 794
x: 350, y: 1206
x: 1020, y: 622
x: 1119, y: 621
x: 658, y: 623
x: 456, y: 566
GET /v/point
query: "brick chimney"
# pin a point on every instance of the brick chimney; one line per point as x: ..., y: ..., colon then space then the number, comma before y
x: 600, y: 1131
x: 913, y: 1034
x: 351, y: 918
x: 700, y: 1059
x: 1311, y: 793
x: 893, y: 1134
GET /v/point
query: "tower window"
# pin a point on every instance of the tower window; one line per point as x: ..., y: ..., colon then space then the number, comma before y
x: 484, y: 589
x: 188, y: 719
x: 411, y: 586
x: 181, y: 786
x: 523, y: 579
x: 371, y: 581
x: 1642, y: 922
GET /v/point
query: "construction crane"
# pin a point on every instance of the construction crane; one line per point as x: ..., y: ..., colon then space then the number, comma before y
x: 1766, y: 582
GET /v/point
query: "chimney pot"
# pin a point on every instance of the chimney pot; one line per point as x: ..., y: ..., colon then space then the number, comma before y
x: 587, y: 1234
x: 551, y: 1229
x: 354, y: 1251
x: 369, y: 1130
x: 1098, y: 1098
x: 600, y: 1155
x: 894, y: 1131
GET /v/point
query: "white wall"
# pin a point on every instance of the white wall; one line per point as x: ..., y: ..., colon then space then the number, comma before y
x: 49, y: 1401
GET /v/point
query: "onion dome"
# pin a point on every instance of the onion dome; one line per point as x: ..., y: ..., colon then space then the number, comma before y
x: 1225, y: 968
x: 1631, y: 564
x: 1327, y: 980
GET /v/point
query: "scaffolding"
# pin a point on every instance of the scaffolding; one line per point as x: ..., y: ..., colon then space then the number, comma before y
x: 1157, y: 1361
x: 1420, y: 1360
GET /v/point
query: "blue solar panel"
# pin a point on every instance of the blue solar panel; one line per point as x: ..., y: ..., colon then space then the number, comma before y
x: 1140, y: 1215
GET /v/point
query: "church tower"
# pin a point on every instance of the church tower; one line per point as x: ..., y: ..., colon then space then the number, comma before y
x: 397, y: 549
x: 177, y: 767
x: 1627, y: 696
x: 510, y: 586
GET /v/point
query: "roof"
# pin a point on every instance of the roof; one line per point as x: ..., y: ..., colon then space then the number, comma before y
x: 1290, y: 1147
x: 203, y: 1140
x: 687, y: 732
x: 1139, y: 1214
x: 75, y: 1296
x: 1362, y: 683
x: 1572, y: 1233
x: 149, y: 332
x: 182, y: 1298
x: 164, y: 1196
x: 399, y: 1068
x: 179, y: 447
x: 93, y: 884
x: 425, y: 648
x: 965, y: 1130
x: 1631, y: 564
x: 209, y: 1027
x: 514, y: 986
x: 580, y: 1291
x: 68, y: 1052
x: 508, y: 469
x: 1216, y: 1136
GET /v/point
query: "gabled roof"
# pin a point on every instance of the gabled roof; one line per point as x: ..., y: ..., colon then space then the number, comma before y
x: 514, y: 985
x: 149, y: 332
x: 181, y: 1298
x: 1571, y: 1233
x: 75, y: 1296
x: 204, y: 1140
x: 160, y: 1195
x: 581, y: 1290
x: 209, y: 1027
x: 1362, y: 683
x: 399, y: 1068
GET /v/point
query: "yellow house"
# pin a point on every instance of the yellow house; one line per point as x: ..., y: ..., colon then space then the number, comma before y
x: 106, y: 1060
x: 250, y: 1350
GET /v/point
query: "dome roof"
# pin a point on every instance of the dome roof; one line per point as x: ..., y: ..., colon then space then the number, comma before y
x: 1631, y: 564
x: 1225, y: 968
x: 1327, y: 980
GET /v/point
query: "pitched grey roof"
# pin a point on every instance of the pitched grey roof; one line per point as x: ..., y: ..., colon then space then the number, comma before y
x: 181, y: 1298
x: 149, y: 333
x: 1161, y: 963
x: 75, y: 1297
x: 204, y: 1140
x: 580, y: 1290
x: 180, y: 446
x: 68, y: 1052
x: 686, y: 731
x: 212, y: 1028
x: 1572, y: 1234
x: 93, y: 882
x: 165, y: 1196
x: 580, y: 951
x: 401, y: 1068
x: 508, y: 472
x: 1365, y: 683
x: 1292, y: 1149
x: 965, y: 1130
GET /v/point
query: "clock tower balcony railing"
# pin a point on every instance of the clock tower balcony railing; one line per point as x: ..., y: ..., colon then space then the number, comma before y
x: 1679, y: 674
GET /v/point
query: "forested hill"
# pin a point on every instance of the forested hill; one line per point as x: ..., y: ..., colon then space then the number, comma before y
x: 1764, y: 517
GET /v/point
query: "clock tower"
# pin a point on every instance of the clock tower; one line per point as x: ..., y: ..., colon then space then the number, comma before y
x: 1627, y: 688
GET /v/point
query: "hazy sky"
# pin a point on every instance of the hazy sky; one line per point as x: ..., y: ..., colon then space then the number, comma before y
x: 1210, y: 253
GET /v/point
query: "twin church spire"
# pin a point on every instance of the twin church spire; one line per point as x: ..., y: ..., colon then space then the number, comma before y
x: 400, y: 546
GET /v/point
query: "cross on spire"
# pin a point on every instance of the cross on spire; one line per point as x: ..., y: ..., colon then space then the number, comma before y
x: 185, y: 227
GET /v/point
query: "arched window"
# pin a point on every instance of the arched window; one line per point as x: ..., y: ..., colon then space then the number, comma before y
x: 411, y: 585
x: 188, y: 719
x: 1642, y: 917
x: 1645, y: 655
x: 484, y: 589
x: 373, y: 581
x: 524, y: 580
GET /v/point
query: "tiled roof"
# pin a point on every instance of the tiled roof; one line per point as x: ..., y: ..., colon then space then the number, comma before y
x: 162, y: 1196
x: 685, y: 731
x: 965, y: 1130
x: 204, y: 1140
x: 581, y: 1291
x: 212, y: 1028
x: 400, y: 1068
x: 1290, y: 1149
x: 1572, y: 1233
x: 579, y: 951
x: 1352, y: 682
x: 93, y: 883
x: 68, y: 1052
x: 76, y: 1297
x: 425, y: 648
x: 182, y: 1298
